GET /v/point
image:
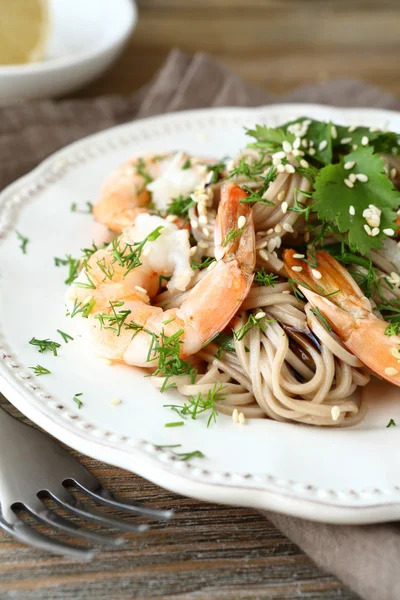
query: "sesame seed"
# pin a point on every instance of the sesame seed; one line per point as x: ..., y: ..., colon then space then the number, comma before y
x: 304, y: 143
x: 375, y: 231
x: 284, y: 207
x: 206, y: 232
x: 278, y: 228
x: 373, y: 129
x: 352, y: 210
x: 299, y: 256
x: 316, y: 274
x: 352, y: 177
x: 203, y: 220
x: 235, y: 415
x: 264, y: 255
x: 203, y: 244
x: 278, y: 242
x: 260, y: 315
x: 281, y: 195
x: 311, y: 143
x: 242, y: 419
x: 311, y: 151
x: 290, y: 168
x: 193, y: 250
x: 362, y: 177
x: 140, y: 289
x: 271, y: 230
x: 322, y: 145
x: 288, y: 227
x: 391, y: 371
x: 287, y: 147
x: 346, y: 140
x: 271, y: 245
x: 116, y: 401
x: 368, y: 229
x: 280, y: 168
x: 194, y: 224
x: 304, y: 163
x: 393, y: 173
x: 219, y: 252
x: 297, y: 268
x: 354, y: 147
x: 279, y: 155
x: 395, y: 352
x: 349, y: 165
x: 352, y: 128
x: 388, y: 231
x: 285, y: 292
x: 333, y: 132
x: 171, y: 218
x: 297, y: 143
x: 241, y: 221
x: 335, y: 413
x: 349, y: 183
x: 364, y: 141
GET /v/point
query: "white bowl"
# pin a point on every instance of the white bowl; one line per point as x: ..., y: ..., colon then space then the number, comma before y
x: 86, y: 37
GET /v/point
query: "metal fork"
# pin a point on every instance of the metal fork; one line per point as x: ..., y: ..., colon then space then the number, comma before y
x: 33, y: 465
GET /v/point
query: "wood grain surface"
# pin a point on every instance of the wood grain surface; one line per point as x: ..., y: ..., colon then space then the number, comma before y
x: 278, y: 44
x: 210, y: 551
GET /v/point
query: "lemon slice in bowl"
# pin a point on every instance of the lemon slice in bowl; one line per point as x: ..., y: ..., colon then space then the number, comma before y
x: 24, y: 30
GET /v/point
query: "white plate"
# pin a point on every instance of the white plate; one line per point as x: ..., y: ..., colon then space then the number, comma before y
x: 344, y: 476
x: 86, y: 37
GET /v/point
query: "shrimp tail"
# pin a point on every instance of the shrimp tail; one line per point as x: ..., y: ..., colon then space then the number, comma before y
x: 331, y: 290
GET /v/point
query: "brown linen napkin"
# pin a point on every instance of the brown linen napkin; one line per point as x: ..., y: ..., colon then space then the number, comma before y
x: 366, y: 557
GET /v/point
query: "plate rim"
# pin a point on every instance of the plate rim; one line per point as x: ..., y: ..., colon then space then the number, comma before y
x: 159, y: 466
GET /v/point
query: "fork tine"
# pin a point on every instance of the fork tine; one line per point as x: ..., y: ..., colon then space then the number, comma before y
x: 97, y: 492
x: 49, y: 517
x: 26, y: 534
x: 67, y: 501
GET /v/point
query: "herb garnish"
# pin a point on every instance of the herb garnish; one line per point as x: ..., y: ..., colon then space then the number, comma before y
x: 181, y: 455
x: 87, y: 211
x: 45, y: 345
x: 65, y: 336
x: 391, y: 423
x: 321, y: 318
x: 251, y: 322
x: 175, y: 423
x: 180, y: 206
x: 80, y: 307
x: 265, y: 279
x: 24, y: 241
x: 200, y: 403
x: 204, y: 264
x: 77, y: 401
x: 129, y: 256
x: 165, y: 350
x: 39, y: 370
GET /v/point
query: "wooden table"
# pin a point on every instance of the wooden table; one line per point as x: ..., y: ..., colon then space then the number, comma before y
x: 211, y: 551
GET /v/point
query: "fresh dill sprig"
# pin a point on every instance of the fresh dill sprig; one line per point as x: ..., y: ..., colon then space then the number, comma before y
x: 24, y: 241
x: 302, y: 208
x: 174, y: 423
x: 39, y: 370
x: 80, y: 307
x: 45, y: 345
x: 391, y: 423
x: 115, y: 319
x: 251, y: 322
x: 232, y: 235
x: 204, y: 264
x: 77, y: 401
x: 258, y: 194
x: 87, y: 211
x: 265, y: 279
x: 165, y: 350
x: 107, y: 269
x: 129, y: 256
x: 74, y: 266
x: 216, y: 171
x: 140, y: 170
x: 89, y: 286
x: 65, y: 336
x: 252, y: 170
x: 200, y: 403
x: 181, y: 455
x: 88, y: 252
x: 180, y: 206
x: 321, y: 318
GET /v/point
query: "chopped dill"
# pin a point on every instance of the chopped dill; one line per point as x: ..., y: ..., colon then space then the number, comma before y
x: 45, y: 345
x: 39, y: 370
x: 24, y: 241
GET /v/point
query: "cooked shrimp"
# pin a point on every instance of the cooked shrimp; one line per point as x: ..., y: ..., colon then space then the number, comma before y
x: 123, y: 322
x: 127, y: 192
x: 348, y: 312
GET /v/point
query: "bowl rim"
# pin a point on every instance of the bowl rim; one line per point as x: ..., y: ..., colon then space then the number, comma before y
x: 65, y: 62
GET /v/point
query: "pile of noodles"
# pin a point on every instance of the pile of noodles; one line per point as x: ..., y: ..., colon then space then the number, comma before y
x: 295, y: 369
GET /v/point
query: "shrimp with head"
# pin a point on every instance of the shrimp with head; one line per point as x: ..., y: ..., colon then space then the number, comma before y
x: 124, y: 324
x: 333, y: 292
x: 149, y: 180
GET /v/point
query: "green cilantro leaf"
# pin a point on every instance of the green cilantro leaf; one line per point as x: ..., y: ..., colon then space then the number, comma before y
x: 333, y: 198
x: 319, y: 134
x: 269, y: 138
x: 381, y: 141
